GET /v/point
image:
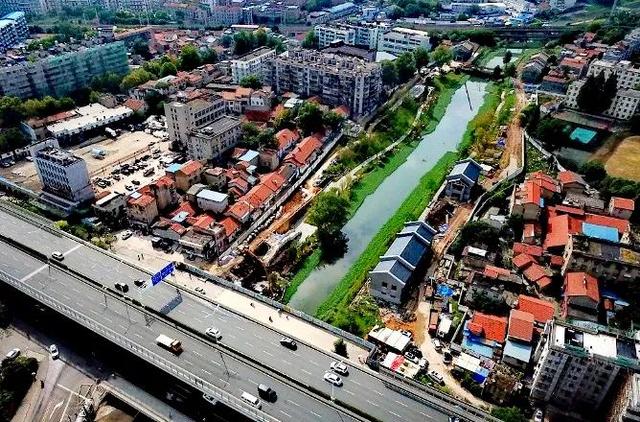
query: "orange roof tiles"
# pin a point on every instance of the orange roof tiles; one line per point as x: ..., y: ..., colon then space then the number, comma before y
x: 258, y: 195
x: 556, y: 260
x: 286, y: 137
x: 494, y: 272
x: 533, y: 250
x: 134, y: 104
x: 230, y: 226
x: 604, y: 220
x: 564, y: 209
x: 532, y: 193
x: 544, y: 282
x: 239, y: 210
x: 545, y: 181
x: 273, y: 181
x: 581, y: 284
x: 191, y: 167
x: 143, y: 201
x: 541, y: 310
x: 523, y: 260
x: 204, y: 221
x: 184, y: 207
x: 342, y: 110
x: 559, y: 228
x: 301, y: 153
x: 535, y: 272
x: 623, y: 203
x: 493, y: 327
x: 567, y: 177
x: 521, y: 325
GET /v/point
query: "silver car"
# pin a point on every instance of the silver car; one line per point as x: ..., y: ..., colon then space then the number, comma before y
x: 332, y: 378
x: 339, y: 368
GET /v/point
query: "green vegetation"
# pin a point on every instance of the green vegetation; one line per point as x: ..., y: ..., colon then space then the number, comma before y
x: 310, y: 40
x: 251, y: 81
x: 99, y: 237
x: 340, y: 347
x: 244, y: 41
x: 596, y: 94
x: 442, y: 55
x: 308, y: 264
x: 475, y: 233
x: 15, y: 380
x: 509, y: 414
x: 328, y: 212
x: 538, y: 162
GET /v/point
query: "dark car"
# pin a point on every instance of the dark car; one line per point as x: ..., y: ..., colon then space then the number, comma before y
x: 140, y: 282
x: 123, y: 287
x: 289, y: 343
x: 267, y: 393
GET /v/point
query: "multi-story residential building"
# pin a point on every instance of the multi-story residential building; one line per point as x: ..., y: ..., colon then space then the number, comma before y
x: 628, y: 75
x: 185, y: 117
x: 225, y: 15
x: 606, y: 260
x: 403, y: 40
x: 623, y: 106
x: 31, y: 7
x: 142, y: 209
x: 13, y: 30
x: 209, y: 142
x: 110, y: 207
x: 576, y: 367
x: 61, y: 173
x: 362, y: 35
x: 338, y: 80
x: 57, y: 75
x: 251, y: 64
x: 561, y: 5
x: 137, y: 6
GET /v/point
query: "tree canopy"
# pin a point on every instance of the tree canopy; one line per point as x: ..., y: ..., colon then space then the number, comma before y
x: 189, y: 58
x: 421, y: 56
x: 442, y: 55
x: 310, y: 40
x: 597, y: 93
x: 251, y: 81
x: 406, y: 65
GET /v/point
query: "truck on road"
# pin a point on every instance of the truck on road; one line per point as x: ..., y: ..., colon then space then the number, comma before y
x: 172, y: 345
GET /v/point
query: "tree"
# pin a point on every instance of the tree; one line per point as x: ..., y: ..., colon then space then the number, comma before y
x: 497, y: 72
x: 189, y: 58
x: 141, y: 47
x: 251, y: 81
x: 421, y: 56
x: 509, y: 414
x: 389, y: 73
x: 209, y: 56
x: 596, y: 93
x: 340, y: 347
x: 329, y: 211
x: 552, y: 132
x: 475, y: 233
x: 510, y: 70
x: 135, y: 78
x: 332, y: 119
x: 168, y: 69
x: 406, y: 66
x: 5, y: 315
x: 442, y: 55
x: 250, y: 134
x: 310, y: 40
x: 226, y: 40
x: 507, y: 57
x: 530, y: 116
x: 609, y: 91
x: 11, y: 111
x: 593, y: 172
x: 261, y: 37
x: 310, y: 118
x: 242, y: 43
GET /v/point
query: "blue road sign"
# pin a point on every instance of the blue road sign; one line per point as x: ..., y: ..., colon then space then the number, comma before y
x: 162, y: 274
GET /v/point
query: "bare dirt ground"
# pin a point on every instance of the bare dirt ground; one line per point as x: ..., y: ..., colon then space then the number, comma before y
x: 459, y: 219
x: 624, y: 159
x: 512, y: 156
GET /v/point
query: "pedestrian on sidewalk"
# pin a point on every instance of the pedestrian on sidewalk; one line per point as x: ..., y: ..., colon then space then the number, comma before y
x: 252, y: 305
x: 270, y: 319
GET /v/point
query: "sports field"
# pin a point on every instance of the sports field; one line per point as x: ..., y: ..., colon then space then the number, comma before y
x: 625, y: 160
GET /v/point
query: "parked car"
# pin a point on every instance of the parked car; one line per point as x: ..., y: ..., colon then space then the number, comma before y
x: 13, y: 353
x: 135, y: 182
x: 289, y: 343
x: 538, y: 415
x: 128, y: 187
x: 437, y: 377
x: 437, y: 344
x: 53, y: 351
x: 332, y: 378
x: 339, y: 368
x: 213, y: 333
x: 123, y: 287
x: 57, y: 256
x: 126, y: 234
x: 140, y: 282
x: 446, y: 357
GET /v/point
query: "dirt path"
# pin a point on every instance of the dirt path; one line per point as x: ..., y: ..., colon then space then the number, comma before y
x: 512, y: 156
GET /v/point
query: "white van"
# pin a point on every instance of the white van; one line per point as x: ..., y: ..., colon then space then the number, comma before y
x: 251, y: 399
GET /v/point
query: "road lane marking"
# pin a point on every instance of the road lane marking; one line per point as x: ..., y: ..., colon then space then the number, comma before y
x: 394, y: 414
x: 252, y: 381
x: 305, y: 371
x: 186, y: 361
x: 316, y: 414
x: 401, y: 404
x: 293, y: 403
x: 248, y: 344
x: 257, y: 336
x: 216, y: 363
x: 267, y: 353
x: 428, y: 416
x: 348, y: 392
x: 372, y: 403
x: 285, y: 413
x: 356, y: 382
x: 286, y: 361
x: 376, y: 391
x: 32, y: 273
x: 313, y: 363
x: 78, y: 246
x: 240, y: 328
x: 197, y: 353
x: 207, y: 372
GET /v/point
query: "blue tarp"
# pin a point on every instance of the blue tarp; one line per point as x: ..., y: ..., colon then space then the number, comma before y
x: 444, y: 290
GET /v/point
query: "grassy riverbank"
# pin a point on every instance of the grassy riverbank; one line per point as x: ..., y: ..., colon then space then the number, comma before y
x: 341, y: 308
x: 378, y: 171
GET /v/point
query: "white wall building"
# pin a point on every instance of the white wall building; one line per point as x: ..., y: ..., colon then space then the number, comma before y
x: 403, y: 40
x: 61, y: 173
x: 628, y: 75
x: 364, y: 35
x: 212, y: 140
x: 185, y: 117
x: 576, y: 367
x: 623, y: 107
x: 251, y: 64
x: 209, y: 200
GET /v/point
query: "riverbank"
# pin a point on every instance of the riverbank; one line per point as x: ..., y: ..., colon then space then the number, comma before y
x: 344, y: 308
x: 376, y: 173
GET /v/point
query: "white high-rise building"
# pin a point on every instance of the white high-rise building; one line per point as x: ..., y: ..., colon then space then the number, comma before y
x: 576, y: 367
x: 185, y: 117
x: 61, y: 173
x: 251, y: 64
x: 404, y: 40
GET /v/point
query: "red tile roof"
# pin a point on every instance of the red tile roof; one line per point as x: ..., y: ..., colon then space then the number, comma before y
x: 493, y: 327
x: 567, y: 177
x: 533, y: 250
x: 301, y: 153
x: 273, y: 181
x: 556, y: 260
x: 545, y: 181
x: 258, y: 195
x: 604, y: 220
x: 143, y: 201
x: 532, y: 193
x: 204, y: 221
x: 286, y: 137
x: 134, y: 104
x: 544, y: 282
x: 541, y: 310
x: 230, y: 226
x: 165, y: 181
x: 623, y: 203
x: 342, y: 110
x: 559, y: 228
x: 239, y: 210
x: 535, y: 272
x: 494, y: 272
x: 186, y: 207
x: 523, y: 260
x: 564, y: 209
x: 581, y: 284
x: 191, y: 167
x: 521, y: 325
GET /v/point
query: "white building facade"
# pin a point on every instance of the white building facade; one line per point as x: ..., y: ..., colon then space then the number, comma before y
x: 211, y: 141
x: 404, y: 40
x: 251, y: 64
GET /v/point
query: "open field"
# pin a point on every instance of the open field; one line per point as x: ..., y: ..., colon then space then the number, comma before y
x: 624, y: 161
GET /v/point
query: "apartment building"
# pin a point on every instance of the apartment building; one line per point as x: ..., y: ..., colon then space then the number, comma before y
x: 209, y: 142
x: 251, y: 64
x: 403, y: 40
x: 195, y: 114
x: 13, y: 30
x: 59, y: 74
x: 61, y: 173
x: 136, y: 6
x: 576, y: 367
x: 32, y: 7
x: 561, y: 5
x: 362, y: 35
x: 338, y: 80
x: 623, y: 107
x: 628, y: 75
x: 225, y: 15
x: 606, y: 260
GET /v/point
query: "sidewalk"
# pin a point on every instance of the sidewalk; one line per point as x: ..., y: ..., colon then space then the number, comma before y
x: 289, y: 324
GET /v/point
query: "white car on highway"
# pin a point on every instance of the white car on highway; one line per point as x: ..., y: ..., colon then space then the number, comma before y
x: 214, y: 333
x: 332, y: 378
x: 339, y: 368
x: 54, y: 352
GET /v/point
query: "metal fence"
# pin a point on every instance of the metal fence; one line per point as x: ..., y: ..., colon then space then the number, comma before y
x: 140, y: 351
x: 455, y: 406
x: 275, y: 304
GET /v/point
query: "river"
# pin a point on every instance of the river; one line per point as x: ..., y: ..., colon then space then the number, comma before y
x: 378, y: 207
x: 497, y: 61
